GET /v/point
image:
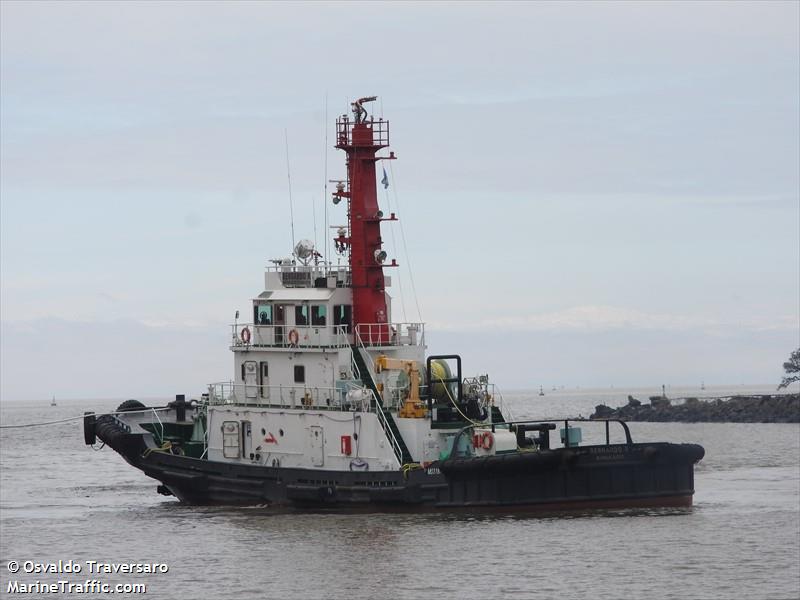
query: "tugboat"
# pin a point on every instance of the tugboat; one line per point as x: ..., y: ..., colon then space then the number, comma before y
x: 334, y: 404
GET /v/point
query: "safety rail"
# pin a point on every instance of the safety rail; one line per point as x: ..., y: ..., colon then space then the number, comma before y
x: 494, y: 426
x: 160, y: 424
x: 390, y: 334
x: 499, y: 402
x: 354, y: 364
x: 387, y: 428
x: 289, y: 396
x: 289, y: 336
x: 366, y: 357
x: 344, y: 132
x: 311, y: 276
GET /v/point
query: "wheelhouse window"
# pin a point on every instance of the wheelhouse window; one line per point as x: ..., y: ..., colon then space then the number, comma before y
x: 299, y: 374
x: 342, y: 314
x: 319, y: 314
x: 301, y: 315
x: 264, y: 314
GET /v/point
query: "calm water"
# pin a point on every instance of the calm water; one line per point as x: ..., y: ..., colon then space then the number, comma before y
x: 61, y: 500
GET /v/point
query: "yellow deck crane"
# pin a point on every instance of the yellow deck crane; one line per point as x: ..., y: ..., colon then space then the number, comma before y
x: 413, y: 407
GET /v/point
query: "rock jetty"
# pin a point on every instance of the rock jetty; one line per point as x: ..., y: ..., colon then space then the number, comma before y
x: 776, y: 408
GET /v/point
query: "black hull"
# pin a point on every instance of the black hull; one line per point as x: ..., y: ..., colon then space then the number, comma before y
x: 617, y: 476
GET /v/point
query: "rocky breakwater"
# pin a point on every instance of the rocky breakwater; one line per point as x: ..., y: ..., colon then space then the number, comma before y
x: 775, y: 408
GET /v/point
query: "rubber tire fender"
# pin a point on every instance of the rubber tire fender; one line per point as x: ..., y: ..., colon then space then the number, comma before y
x: 130, y: 405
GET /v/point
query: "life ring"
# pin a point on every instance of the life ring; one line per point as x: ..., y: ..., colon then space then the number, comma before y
x: 245, y: 335
x: 477, y: 442
x: 294, y: 337
x: 487, y: 440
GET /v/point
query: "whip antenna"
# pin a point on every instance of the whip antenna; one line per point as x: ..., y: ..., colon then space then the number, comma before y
x: 325, y: 180
x: 289, y: 179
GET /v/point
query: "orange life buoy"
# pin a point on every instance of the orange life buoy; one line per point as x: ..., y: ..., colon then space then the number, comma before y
x: 245, y: 335
x: 487, y: 440
x: 294, y: 337
x: 477, y: 442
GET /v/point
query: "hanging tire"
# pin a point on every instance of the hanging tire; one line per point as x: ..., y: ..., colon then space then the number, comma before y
x: 89, y: 435
x: 130, y: 405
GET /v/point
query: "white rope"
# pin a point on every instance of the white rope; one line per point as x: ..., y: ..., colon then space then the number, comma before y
x: 405, y: 246
x: 67, y: 420
x: 394, y: 251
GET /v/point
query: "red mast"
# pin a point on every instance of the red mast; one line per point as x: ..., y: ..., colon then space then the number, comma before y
x: 361, y: 138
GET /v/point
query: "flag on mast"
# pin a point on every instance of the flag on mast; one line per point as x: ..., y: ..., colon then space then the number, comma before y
x: 385, y: 180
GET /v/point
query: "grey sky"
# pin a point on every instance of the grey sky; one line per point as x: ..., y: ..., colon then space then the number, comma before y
x: 572, y: 177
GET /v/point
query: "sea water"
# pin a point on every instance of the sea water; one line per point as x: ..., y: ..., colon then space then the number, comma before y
x: 62, y: 501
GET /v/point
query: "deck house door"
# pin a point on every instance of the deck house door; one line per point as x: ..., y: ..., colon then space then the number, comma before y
x: 316, y: 446
x: 250, y: 380
x: 280, y: 323
x: 264, y: 371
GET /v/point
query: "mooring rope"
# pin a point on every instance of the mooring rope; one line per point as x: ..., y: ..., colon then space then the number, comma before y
x: 67, y: 420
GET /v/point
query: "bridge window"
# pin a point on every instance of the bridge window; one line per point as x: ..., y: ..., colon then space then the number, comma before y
x: 299, y: 374
x: 318, y: 314
x: 301, y: 314
x: 264, y: 314
x: 342, y: 314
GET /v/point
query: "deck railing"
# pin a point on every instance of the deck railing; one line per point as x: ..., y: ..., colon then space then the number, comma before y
x: 312, y: 276
x: 328, y: 336
x: 344, y: 132
x: 390, y: 334
x: 290, y: 396
x: 462, y: 446
x: 290, y: 336
x: 387, y: 428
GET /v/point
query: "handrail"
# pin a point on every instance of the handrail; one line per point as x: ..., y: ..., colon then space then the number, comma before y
x: 628, y: 439
x: 288, y: 396
x: 278, y: 335
x: 502, y: 406
x: 342, y: 333
x: 366, y: 356
x: 160, y: 424
x: 391, y: 334
x: 354, y: 364
x: 398, y: 452
x: 290, y: 268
